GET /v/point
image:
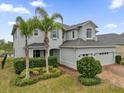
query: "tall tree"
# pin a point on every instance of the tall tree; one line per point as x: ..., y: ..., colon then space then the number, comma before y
x: 46, y: 23
x: 25, y: 29
x: 6, y: 47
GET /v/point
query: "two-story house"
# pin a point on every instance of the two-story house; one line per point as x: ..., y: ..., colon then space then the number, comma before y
x: 72, y: 44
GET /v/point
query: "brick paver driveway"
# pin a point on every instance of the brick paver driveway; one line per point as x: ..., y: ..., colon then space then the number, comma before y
x: 113, y: 73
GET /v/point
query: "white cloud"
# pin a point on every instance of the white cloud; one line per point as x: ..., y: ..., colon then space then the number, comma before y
x: 115, y: 4
x: 111, y: 26
x: 38, y: 3
x: 122, y: 23
x: 21, y: 10
x: 10, y: 8
x: 11, y: 23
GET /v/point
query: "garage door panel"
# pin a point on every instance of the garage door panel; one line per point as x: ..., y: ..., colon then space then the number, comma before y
x: 68, y: 58
x: 105, y: 59
x: 108, y: 56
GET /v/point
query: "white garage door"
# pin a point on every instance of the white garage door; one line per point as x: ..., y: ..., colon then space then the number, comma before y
x: 105, y: 58
x: 104, y: 55
x: 68, y: 57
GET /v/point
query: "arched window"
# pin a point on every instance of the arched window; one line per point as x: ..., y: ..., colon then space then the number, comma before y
x: 89, y: 33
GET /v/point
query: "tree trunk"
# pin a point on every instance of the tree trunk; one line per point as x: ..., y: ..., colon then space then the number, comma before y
x: 46, y: 41
x: 27, y: 58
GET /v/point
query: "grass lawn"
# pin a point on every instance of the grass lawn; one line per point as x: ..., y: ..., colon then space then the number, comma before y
x: 63, y: 84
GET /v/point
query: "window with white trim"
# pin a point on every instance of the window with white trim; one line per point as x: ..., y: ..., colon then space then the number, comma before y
x: 73, y: 34
x: 89, y: 33
x: 36, y: 32
x: 55, y: 34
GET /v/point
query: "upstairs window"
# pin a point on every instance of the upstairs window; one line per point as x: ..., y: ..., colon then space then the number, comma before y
x: 73, y: 34
x: 36, y: 32
x: 54, y: 34
x: 89, y: 33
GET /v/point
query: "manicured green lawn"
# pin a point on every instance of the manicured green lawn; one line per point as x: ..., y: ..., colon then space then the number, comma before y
x: 63, y: 84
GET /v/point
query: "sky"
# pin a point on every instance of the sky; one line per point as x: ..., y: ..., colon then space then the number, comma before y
x: 108, y: 15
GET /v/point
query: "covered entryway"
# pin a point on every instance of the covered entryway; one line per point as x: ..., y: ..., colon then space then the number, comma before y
x: 38, y: 53
x: 55, y: 52
x: 36, y: 50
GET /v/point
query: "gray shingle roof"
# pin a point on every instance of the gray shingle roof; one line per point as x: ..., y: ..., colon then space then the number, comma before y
x: 36, y: 44
x: 76, y: 26
x: 67, y: 27
x: 103, y: 40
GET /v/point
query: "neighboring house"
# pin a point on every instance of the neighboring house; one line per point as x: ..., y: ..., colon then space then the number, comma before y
x: 72, y: 44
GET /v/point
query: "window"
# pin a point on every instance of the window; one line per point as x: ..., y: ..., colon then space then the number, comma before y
x: 63, y: 35
x: 73, y: 35
x: 36, y: 33
x: 36, y: 53
x: 89, y: 33
x: 55, y: 34
x: 104, y: 53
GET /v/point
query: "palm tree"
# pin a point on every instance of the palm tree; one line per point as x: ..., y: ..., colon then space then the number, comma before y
x: 46, y: 24
x: 25, y: 29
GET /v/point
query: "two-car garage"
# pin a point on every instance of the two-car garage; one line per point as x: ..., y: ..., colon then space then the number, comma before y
x: 70, y: 55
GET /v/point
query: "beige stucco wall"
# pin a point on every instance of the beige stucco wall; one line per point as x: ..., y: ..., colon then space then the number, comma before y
x: 120, y: 50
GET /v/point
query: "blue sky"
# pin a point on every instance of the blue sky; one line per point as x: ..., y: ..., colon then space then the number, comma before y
x: 107, y: 14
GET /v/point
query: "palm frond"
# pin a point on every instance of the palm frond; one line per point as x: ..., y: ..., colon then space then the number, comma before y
x: 57, y: 26
x: 41, y: 12
x: 19, y: 19
x: 56, y: 16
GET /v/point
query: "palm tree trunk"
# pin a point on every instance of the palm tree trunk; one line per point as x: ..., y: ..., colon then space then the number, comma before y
x: 27, y: 58
x: 46, y: 41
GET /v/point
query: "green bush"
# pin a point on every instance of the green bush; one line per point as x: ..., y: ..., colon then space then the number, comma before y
x: 53, y: 61
x: 88, y: 67
x: 89, y: 81
x: 118, y: 59
x: 22, y: 81
x: 19, y: 63
x: 10, y: 59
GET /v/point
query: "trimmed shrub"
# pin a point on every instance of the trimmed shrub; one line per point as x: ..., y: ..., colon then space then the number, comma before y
x: 37, y: 62
x: 53, y: 61
x: 22, y: 81
x: 88, y: 67
x: 118, y: 59
x: 19, y: 63
x: 89, y: 81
